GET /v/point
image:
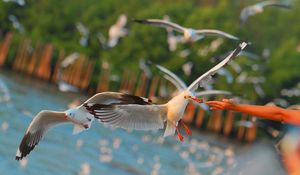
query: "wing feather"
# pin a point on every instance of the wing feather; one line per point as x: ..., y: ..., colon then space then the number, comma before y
x: 173, y: 78
x: 206, y: 76
x: 216, y: 32
x: 161, y: 23
x: 37, y: 129
x: 131, y: 116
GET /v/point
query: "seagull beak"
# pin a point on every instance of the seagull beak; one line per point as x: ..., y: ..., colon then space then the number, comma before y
x: 196, y: 99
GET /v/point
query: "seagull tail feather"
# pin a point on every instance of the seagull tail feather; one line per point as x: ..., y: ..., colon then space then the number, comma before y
x: 170, y: 129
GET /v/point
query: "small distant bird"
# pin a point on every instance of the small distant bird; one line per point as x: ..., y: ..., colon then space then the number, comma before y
x: 102, y: 40
x: 19, y: 2
x: 117, y: 31
x: 259, y: 7
x: 172, y: 39
x: 16, y: 23
x: 84, y: 32
x: 63, y: 85
x: 189, y: 34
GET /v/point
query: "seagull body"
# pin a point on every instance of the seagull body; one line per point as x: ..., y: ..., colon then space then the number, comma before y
x: 259, y: 7
x: 189, y: 34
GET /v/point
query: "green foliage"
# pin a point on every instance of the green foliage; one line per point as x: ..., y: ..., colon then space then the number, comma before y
x: 275, y: 29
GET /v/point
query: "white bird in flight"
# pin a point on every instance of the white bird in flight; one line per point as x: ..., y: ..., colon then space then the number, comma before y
x: 259, y: 7
x: 68, y: 61
x: 189, y: 34
x: 148, y: 116
x: 84, y: 32
x: 117, y: 31
x: 119, y: 110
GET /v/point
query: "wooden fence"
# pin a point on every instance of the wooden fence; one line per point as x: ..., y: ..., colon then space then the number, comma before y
x: 39, y: 62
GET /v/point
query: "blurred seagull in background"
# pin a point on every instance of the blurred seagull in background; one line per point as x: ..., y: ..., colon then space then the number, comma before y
x: 84, y: 33
x: 16, y: 24
x: 259, y: 7
x: 102, y: 40
x: 172, y: 39
x: 19, y: 2
x: 117, y: 31
x: 189, y: 34
x: 63, y: 85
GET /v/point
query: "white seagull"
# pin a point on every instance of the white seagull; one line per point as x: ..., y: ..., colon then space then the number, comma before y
x: 259, y: 7
x: 189, y: 34
x: 145, y: 116
x: 117, y: 31
x: 84, y: 32
x: 63, y: 85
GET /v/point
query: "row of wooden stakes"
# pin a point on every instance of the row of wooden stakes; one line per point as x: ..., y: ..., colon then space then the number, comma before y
x: 39, y: 62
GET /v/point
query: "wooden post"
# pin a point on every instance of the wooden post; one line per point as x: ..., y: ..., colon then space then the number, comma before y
x: 57, y: 70
x: 241, y: 129
x: 153, y: 87
x: 132, y: 82
x: 124, y: 80
x: 44, y: 69
x: 217, y: 121
x: 34, y: 59
x: 200, y: 117
x: 4, y: 47
x: 228, y: 123
x: 189, y: 113
x: 141, y: 86
x: 88, y: 75
x: 103, y: 84
x: 251, y: 132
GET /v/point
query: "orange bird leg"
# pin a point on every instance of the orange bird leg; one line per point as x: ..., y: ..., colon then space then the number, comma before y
x: 185, y: 127
x: 178, y: 133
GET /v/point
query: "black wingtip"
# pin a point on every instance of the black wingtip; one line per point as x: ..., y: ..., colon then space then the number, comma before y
x: 18, y: 158
x: 138, y: 20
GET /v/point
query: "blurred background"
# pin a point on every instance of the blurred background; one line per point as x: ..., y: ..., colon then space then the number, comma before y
x: 53, y: 53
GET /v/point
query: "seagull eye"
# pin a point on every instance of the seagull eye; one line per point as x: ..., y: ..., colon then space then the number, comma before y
x: 89, y: 119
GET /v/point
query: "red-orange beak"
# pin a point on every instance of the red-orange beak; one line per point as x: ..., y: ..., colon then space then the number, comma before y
x: 197, y: 99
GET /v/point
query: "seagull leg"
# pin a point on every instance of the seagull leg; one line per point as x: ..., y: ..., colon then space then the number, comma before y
x: 185, y: 127
x: 178, y: 133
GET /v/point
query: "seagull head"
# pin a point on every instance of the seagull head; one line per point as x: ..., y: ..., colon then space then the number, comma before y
x: 190, y: 96
x: 70, y: 113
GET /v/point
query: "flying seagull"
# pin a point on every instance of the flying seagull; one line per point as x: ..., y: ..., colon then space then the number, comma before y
x: 84, y: 33
x: 189, y: 34
x: 259, y: 7
x: 149, y: 116
x: 117, y: 31
x: 68, y: 61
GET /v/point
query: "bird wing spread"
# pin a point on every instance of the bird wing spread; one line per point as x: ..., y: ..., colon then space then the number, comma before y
x: 130, y: 116
x: 36, y: 130
x: 202, y: 80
